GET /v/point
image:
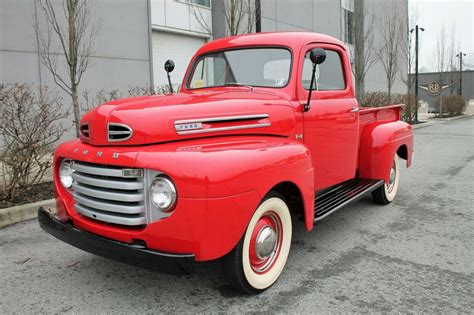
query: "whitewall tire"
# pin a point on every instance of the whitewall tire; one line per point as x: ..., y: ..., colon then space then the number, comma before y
x: 387, y: 193
x: 260, y: 257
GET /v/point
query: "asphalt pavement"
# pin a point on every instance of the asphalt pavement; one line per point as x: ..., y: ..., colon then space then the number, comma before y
x: 415, y: 255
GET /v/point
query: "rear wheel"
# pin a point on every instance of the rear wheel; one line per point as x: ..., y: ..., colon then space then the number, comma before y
x: 260, y: 256
x: 387, y: 193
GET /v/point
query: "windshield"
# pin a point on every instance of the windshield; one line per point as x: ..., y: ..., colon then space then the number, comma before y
x: 264, y: 67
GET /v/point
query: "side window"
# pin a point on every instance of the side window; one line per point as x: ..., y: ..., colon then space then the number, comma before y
x: 329, y: 74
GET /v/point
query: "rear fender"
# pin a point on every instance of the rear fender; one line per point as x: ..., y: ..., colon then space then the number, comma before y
x: 380, y: 141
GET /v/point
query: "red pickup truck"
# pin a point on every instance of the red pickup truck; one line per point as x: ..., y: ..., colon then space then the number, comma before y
x: 265, y: 130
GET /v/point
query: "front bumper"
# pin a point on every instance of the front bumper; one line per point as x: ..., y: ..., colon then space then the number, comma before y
x: 136, y: 255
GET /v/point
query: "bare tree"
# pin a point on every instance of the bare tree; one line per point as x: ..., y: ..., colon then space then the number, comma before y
x: 69, y: 23
x: 365, y: 54
x: 441, y: 63
x: 240, y: 16
x: 453, y: 49
x: 408, y: 48
x: 393, y: 31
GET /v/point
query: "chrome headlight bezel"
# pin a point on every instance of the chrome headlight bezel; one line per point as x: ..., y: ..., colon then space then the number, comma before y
x: 170, y: 188
x: 65, y: 173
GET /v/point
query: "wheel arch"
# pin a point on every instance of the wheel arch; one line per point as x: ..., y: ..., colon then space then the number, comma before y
x: 292, y: 195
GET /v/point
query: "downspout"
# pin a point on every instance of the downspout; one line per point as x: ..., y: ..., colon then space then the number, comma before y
x: 150, y: 45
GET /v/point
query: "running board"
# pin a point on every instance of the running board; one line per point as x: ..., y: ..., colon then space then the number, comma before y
x: 340, y: 195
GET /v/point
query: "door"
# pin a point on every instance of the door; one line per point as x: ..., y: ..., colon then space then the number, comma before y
x: 331, y: 126
x: 180, y: 48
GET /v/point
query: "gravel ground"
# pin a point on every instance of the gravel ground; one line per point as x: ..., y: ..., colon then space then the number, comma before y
x: 415, y: 255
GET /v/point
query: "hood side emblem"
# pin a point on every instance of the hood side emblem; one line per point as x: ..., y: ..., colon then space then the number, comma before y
x: 194, y: 126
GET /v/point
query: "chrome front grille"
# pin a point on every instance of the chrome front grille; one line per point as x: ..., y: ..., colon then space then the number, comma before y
x: 103, y: 193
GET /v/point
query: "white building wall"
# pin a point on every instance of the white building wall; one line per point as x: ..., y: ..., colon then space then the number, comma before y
x: 176, y: 35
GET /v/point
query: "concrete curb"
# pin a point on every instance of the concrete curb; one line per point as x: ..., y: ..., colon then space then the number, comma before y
x: 454, y: 118
x: 434, y: 121
x: 21, y: 213
x: 424, y: 124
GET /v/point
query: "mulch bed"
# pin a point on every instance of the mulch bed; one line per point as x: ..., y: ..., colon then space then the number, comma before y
x: 39, y: 192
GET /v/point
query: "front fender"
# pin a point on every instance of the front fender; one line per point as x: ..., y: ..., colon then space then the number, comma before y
x: 379, y: 143
x: 219, y: 167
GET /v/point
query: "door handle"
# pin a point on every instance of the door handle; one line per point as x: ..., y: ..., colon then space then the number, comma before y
x: 354, y: 109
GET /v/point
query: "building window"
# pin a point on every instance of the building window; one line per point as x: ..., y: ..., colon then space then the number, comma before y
x: 204, y: 3
x: 348, y: 21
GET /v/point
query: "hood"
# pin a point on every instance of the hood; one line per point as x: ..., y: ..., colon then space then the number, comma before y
x: 173, y: 117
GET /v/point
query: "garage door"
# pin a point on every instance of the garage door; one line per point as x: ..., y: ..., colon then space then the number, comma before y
x: 179, y: 48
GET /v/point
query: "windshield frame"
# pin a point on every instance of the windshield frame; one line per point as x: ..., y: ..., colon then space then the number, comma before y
x: 196, y: 60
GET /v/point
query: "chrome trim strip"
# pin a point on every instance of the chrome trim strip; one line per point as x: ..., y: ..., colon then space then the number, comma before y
x: 108, y: 206
x: 221, y: 119
x: 101, y: 171
x: 107, y: 183
x: 224, y: 129
x: 108, y: 195
x: 109, y: 133
x: 98, y: 215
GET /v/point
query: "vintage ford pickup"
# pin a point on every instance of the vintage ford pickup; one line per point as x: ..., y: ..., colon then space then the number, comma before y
x: 265, y: 132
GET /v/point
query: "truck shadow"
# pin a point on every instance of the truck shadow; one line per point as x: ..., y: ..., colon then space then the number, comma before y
x: 128, y: 283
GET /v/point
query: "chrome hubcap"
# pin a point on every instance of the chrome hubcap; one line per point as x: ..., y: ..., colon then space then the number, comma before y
x: 391, y: 179
x: 266, y: 242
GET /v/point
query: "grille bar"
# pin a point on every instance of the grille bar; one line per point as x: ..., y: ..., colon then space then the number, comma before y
x: 111, y: 218
x: 96, y: 170
x: 103, y: 193
x: 107, y: 183
x: 108, y: 194
x: 107, y: 206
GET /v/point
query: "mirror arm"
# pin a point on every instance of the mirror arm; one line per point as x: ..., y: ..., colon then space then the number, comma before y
x: 169, y: 82
x: 307, y: 106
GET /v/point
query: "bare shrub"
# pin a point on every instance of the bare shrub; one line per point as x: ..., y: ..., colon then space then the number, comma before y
x: 103, y: 96
x: 30, y: 125
x: 145, y: 90
x: 378, y: 99
x: 374, y: 99
x: 453, y: 105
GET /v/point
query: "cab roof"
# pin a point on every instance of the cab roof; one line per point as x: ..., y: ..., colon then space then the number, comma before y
x: 294, y: 40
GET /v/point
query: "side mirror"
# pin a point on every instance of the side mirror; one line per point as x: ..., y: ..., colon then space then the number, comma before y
x: 317, y: 55
x: 169, y: 65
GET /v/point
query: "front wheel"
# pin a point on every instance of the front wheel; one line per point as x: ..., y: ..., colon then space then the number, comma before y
x: 386, y: 194
x: 260, y: 256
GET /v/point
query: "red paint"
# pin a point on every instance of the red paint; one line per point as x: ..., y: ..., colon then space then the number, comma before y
x: 222, y: 177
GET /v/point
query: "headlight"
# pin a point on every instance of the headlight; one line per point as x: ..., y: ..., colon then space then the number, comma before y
x: 162, y: 193
x: 65, y: 173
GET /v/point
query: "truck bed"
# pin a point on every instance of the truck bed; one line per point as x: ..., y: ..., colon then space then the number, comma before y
x: 383, y: 114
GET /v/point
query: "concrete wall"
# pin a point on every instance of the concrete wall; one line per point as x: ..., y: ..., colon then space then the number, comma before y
x: 322, y: 16
x: 121, y: 57
x: 178, y: 16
